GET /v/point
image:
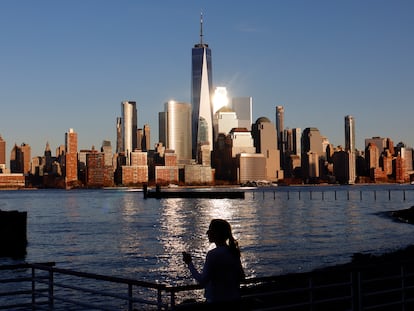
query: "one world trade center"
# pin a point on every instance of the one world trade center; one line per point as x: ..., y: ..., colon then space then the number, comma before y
x: 201, y: 90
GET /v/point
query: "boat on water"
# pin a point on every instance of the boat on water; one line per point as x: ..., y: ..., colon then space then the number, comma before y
x: 210, y: 193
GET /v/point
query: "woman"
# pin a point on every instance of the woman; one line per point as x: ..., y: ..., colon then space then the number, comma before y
x: 222, y: 270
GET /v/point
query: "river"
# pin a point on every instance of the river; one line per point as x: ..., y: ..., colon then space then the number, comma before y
x: 280, y: 230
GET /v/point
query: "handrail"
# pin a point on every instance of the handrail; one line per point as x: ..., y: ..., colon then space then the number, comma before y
x: 362, y: 287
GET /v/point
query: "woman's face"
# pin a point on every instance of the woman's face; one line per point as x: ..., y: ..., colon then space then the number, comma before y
x: 211, y: 235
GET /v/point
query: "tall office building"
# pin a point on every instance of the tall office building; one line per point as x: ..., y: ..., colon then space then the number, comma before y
x: 243, y: 107
x: 177, y: 129
x: 349, y: 133
x: 129, y: 128
x: 2, y: 155
x: 201, y: 92
x: 265, y: 141
x: 20, y: 159
x: 312, y: 153
x: 118, y: 135
x: 146, y: 138
x: 71, y: 156
x: 350, y: 147
x: 280, y: 112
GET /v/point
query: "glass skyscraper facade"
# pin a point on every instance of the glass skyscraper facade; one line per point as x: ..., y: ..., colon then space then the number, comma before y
x: 201, y: 92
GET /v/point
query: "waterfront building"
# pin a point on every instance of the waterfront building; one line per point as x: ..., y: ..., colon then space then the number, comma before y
x: 136, y: 172
x: 71, y: 157
x: 312, y: 153
x: 251, y: 167
x: 201, y: 91
x: 129, y: 128
x: 198, y: 174
x: 243, y: 107
x: 176, y: 129
x: 95, y: 169
x: 265, y: 140
x: 372, y: 155
x: 350, y: 147
x: 167, y: 173
x: 2, y: 155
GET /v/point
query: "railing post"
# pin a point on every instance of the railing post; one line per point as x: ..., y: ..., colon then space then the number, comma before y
x: 51, y: 295
x: 159, y: 299
x: 403, y: 287
x: 33, y: 289
x: 172, y: 299
x: 130, y: 304
x: 310, y: 284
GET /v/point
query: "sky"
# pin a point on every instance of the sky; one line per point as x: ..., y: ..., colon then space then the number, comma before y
x: 70, y: 64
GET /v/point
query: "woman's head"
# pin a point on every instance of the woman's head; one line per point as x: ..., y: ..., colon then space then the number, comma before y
x: 219, y: 231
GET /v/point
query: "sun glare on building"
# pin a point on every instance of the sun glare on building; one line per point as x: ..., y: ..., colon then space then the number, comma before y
x: 220, y: 98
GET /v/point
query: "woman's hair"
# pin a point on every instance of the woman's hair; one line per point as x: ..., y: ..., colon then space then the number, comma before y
x: 223, y: 231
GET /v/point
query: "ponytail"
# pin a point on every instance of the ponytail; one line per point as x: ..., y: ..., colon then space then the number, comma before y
x: 234, y: 246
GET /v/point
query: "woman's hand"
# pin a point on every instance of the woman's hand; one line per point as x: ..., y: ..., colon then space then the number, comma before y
x: 187, y: 258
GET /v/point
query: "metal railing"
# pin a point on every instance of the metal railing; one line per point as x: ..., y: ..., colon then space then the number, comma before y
x: 371, y: 287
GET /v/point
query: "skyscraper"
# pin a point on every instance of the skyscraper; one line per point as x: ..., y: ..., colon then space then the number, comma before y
x: 312, y: 152
x: 2, y: 155
x: 265, y: 140
x: 349, y: 133
x: 146, y: 138
x: 350, y: 147
x: 177, y: 126
x: 201, y: 92
x: 129, y: 128
x: 71, y: 156
x: 280, y: 111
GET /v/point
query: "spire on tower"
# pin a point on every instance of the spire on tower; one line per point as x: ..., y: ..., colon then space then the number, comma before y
x: 201, y: 28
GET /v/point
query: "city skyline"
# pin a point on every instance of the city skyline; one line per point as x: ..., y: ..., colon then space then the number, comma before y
x: 312, y: 59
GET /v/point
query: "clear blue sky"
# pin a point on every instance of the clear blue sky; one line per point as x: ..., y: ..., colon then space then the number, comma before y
x: 69, y: 64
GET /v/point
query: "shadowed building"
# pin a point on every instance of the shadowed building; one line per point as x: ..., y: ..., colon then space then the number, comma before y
x: 20, y: 159
x: 350, y: 148
x: 243, y: 107
x: 312, y: 153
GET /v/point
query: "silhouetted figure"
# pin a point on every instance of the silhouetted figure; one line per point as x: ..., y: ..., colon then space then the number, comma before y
x: 222, y: 270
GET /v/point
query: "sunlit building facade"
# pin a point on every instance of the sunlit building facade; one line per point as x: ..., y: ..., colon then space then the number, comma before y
x: 129, y: 128
x: 177, y: 129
